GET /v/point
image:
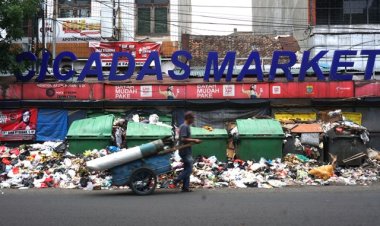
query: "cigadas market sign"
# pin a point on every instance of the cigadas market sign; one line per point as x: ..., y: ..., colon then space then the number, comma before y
x: 94, y: 66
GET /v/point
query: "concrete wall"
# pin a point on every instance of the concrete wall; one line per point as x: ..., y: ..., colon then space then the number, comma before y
x: 281, y: 17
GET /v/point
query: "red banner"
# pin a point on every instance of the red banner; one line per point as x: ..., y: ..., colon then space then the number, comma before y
x: 18, y: 124
x: 363, y: 89
x: 312, y: 90
x: 140, y: 50
x: 63, y: 91
x: 10, y: 92
x: 148, y: 92
x: 100, y: 91
x: 228, y: 91
x: 162, y: 92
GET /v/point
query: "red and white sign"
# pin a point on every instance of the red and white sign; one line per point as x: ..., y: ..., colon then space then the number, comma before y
x: 312, y: 90
x: 227, y: 91
x: 149, y: 92
x: 18, y: 124
x: 10, y: 92
x: 62, y: 91
x: 100, y: 91
x: 162, y: 92
x: 140, y: 51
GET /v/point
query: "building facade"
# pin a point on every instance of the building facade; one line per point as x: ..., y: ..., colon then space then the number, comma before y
x: 78, y: 23
x: 322, y: 24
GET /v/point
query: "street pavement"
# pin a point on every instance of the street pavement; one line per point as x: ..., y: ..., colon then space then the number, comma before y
x: 329, y: 205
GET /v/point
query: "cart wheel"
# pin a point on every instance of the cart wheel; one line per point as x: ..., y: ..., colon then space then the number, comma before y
x: 143, y: 181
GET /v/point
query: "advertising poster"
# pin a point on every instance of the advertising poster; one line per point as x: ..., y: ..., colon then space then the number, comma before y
x: 72, y: 29
x: 228, y: 91
x: 18, y: 124
x: 144, y: 92
x: 140, y: 50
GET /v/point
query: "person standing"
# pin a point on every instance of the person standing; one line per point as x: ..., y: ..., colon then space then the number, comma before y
x: 252, y: 92
x: 186, y: 153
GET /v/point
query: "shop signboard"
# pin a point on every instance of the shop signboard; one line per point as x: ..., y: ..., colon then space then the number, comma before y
x: 62, y: 91
x: 310, y: 90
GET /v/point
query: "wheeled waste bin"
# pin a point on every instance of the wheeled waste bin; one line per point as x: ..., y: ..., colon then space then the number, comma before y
x: 345, y: 146
x: 140, y: 133
x: 214, y: 143
x: 90, y: 133
x: 259, y: 138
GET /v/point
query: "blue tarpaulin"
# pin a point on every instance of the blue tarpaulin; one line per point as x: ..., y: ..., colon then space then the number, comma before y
x: 51, y: 125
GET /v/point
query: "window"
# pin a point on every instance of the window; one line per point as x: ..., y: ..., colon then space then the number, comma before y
x: 152, y: 17
x: 74, y: 8
x: 143, y: 26
x: 336, y: 12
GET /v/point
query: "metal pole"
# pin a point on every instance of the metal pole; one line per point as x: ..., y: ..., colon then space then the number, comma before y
x: 54, y: 27
x: 43, y: 24
x: 119, y: 22
x: 114, y: 34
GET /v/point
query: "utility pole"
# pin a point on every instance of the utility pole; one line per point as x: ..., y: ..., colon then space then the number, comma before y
x: 119, y: 22
x: 54, y: 27
x: 114, y: 32
x: 44, y: 8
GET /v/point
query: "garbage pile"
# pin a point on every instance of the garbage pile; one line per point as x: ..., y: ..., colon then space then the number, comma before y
x: 48, y: 166
x: 307, y: 137
x: 293, y: 170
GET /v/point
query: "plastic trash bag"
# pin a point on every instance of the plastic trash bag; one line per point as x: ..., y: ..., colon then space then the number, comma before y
x: 310, y: 139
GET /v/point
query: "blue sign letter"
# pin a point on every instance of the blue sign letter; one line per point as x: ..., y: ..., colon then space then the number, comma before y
x: 57, y: 62
x: 115, y: 60
x: 94, y: 57
x: 212, y: 59
x: 153, y: 56
x: 44, y: 66
x: 23, y: 57
x: 370, y: 62
x: 182, y: 65
x: 285, y: 67
x: 313, y: 63
x: 254, y: 56
x: 336, y: 63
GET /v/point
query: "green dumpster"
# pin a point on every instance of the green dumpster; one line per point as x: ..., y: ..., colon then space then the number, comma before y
x: 141, y: 133
x: 259, y: 138
x: 90, y: 133
x: 214, y: 143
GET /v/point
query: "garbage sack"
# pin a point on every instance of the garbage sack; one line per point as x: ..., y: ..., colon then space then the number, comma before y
x: 373, y: 154
x: 324, y: 172
x: 310, y: 139
x: 153, y: 119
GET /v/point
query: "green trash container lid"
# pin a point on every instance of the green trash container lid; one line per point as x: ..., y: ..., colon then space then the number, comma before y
x: 259, y: 128
x: 201, y: 132
x: 137, y: 130
x: 100, y: 127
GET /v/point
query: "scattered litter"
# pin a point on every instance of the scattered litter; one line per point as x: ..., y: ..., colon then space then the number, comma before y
x: 40, y: 166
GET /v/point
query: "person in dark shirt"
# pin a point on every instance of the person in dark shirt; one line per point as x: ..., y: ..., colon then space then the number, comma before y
x: 186, y: 153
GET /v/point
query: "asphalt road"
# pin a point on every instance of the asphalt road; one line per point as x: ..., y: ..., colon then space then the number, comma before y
x: 287, y: 206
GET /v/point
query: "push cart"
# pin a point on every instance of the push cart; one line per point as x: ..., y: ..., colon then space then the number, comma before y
x: 138, y: 167
x: 141, y: 175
